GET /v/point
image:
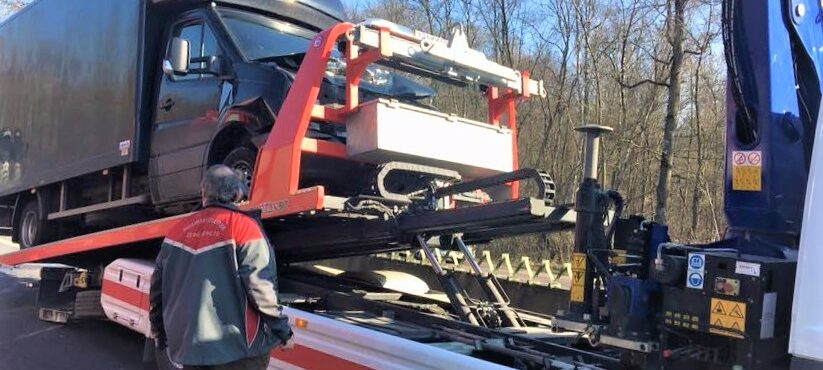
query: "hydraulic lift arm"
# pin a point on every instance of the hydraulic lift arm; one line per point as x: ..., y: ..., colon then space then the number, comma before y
x: 727, y: 303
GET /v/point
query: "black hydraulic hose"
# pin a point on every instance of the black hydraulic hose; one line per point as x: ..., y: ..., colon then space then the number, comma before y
x: 601, y: 269
x: 747, y: 133
x: 619, y: 203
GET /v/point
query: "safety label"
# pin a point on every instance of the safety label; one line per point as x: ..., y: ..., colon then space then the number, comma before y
x: 747, y: 268
x: 124, y: 147
x: 727, y: 286
x: 578, y: 277
x: 696, y: 271
x: 746, y: 170
x: 727, y: 317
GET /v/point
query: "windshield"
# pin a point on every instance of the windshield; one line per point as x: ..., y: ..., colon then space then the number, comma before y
x: 263, y: 39
x: 260, y: 37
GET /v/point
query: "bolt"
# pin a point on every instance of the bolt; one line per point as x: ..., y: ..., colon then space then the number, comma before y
x: 800, y: 9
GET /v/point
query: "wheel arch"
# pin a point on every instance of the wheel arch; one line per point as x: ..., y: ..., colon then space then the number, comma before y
x: 237, y: 126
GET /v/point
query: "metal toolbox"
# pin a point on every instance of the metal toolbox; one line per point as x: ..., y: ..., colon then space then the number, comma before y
x: 386, y: 130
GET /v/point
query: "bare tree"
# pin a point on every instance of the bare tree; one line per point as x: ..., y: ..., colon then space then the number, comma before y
x: 677, y: 27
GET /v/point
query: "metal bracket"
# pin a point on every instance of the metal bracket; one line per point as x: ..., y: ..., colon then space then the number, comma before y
x: 640, y: 346
x: 450, y: 60
x: 54, y: 315
x: 491, y: 287
x: 77, y: 278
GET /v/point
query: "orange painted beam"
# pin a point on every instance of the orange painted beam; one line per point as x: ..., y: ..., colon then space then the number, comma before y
x: 324, y: 148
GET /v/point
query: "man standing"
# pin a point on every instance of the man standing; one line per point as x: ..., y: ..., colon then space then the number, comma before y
x: 213, y: 292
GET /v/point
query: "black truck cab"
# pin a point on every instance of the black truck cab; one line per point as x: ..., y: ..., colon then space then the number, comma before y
x: 217, y: 90
x: 225, y: 74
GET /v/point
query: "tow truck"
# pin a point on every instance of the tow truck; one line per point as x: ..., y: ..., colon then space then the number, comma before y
x: 637, y: 299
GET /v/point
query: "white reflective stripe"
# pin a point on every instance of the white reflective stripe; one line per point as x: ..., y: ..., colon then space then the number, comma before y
x: 256, y: 240
x: 276, y: 364
x: 199, y: 250
x: 374, y: 349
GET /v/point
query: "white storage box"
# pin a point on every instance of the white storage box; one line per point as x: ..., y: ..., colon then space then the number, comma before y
x: 386, y: 130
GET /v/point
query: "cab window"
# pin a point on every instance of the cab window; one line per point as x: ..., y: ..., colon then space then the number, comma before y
x: 202, y: 42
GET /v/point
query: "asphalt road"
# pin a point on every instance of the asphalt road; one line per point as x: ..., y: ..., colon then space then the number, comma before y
x: 29, y: 343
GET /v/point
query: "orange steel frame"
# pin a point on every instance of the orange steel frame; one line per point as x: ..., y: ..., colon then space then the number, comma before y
x: 275, y: 187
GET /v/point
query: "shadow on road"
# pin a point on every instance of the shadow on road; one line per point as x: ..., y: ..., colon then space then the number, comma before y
x: 29, y: 343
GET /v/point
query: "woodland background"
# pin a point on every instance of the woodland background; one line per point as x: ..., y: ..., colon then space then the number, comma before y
x: 652, y: 70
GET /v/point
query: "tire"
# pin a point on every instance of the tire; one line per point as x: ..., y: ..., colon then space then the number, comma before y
x: 242, y: 159
x: 33, y: 228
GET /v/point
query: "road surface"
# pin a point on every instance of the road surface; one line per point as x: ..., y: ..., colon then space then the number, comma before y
x: 28, y: 343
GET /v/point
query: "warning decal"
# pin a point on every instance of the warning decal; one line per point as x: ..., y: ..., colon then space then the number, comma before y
x: 578, y: 277
x: 579, y: 261
x: 746, y: 168
x: 727, y: 318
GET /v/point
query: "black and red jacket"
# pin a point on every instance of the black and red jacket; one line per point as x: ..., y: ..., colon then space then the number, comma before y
x: 213, y: 292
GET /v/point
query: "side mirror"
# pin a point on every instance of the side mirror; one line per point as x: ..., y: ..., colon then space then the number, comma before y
x: 178, y: 58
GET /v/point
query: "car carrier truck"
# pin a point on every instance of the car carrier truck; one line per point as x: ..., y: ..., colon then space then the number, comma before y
x: 638, y: 300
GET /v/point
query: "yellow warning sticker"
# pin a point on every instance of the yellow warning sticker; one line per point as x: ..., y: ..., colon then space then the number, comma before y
x: 579, y: 261
x: 578, y: 277
x: 746, y: 178
x: 727, y: 318
x: 577, y: 294
x: 746, y: 174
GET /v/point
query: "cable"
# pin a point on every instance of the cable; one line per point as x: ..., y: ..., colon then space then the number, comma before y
x: 748, y: 132
x: 619, y: 203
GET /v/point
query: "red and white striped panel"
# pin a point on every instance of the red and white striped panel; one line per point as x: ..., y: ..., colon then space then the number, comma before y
x: 125, y: 293
x: 320, y: 342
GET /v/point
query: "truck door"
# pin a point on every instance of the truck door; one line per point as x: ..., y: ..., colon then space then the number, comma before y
x: 186, y: 117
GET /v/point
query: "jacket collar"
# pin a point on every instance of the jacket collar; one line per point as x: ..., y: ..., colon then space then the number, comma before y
x: 230, y: 207
x: 254, y: 213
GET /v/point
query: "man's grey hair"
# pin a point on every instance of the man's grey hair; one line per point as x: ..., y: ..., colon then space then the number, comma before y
x: 222, y: 184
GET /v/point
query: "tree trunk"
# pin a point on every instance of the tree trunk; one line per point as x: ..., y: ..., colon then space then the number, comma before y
x: 672, y: 110
x: 699, y: 170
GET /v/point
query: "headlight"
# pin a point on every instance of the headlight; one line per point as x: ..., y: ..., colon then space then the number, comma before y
x: 373, y: 75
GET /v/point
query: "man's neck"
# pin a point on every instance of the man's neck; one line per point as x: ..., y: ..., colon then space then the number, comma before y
x: 229, y: 206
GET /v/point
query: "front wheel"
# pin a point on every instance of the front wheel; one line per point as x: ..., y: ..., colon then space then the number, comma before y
x: 241, y: 159
x: 33, y: 228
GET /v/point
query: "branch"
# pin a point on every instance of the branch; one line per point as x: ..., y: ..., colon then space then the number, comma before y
x: 646, y: 81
